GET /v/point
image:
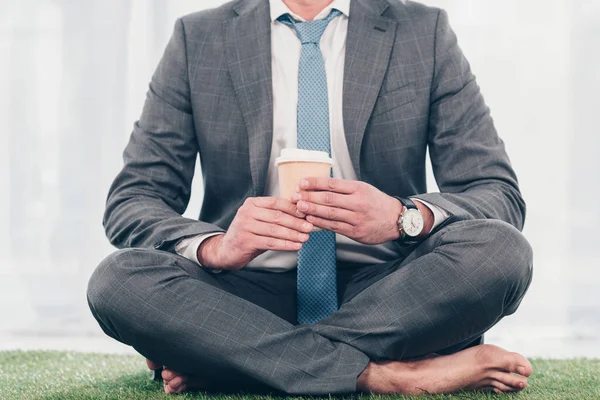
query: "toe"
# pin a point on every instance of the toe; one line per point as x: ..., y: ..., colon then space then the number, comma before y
x: 169, y: 374
x: 501, y: 387
x: 523, y: 366
x: 515, y: 382
x: 181, y: 388
x: 516, y: 364
x: 177, y: 382
x: 153, y: 365
x: 168, y: 389
x: 494, y: 357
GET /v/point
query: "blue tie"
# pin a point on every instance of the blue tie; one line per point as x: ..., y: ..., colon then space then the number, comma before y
x: 317, y: 277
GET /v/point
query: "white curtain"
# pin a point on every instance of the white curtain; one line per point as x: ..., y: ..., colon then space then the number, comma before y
x: 73, y: 77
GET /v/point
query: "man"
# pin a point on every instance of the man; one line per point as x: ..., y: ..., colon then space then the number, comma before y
x: 397, y: 299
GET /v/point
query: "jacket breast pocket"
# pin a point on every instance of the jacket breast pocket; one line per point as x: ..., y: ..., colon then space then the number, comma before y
x: 393, y: 100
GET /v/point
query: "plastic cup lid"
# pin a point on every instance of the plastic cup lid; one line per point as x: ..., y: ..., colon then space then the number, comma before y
x: 300, y: 155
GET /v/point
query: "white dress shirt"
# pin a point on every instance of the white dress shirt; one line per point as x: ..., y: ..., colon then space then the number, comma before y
x: 286, y: 49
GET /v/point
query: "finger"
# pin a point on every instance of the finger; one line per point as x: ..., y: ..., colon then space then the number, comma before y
x: 270, y: 243
x: 331, y: 199
x: 279, y: 232
x: 326, y: 212
x: 334, y: 226
x: 329, y: 184
x: 278, y: 217
x: 278, y: 204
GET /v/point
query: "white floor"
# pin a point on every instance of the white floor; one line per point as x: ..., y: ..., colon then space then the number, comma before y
x: 87, y: 344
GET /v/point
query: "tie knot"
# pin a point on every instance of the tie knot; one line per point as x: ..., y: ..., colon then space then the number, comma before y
x: 311, y: 31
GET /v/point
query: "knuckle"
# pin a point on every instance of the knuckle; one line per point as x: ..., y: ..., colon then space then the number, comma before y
x: 277, y: 216
x: 271, y: 243
x: 331, y: 213
x: 291, y: 208
x: 332, y: 183
x: 328, y: 198
x: 276, y: 203
x: 334, y: 226
x: 289, y: 234
x: 273, y: 229
x: 300, y: 225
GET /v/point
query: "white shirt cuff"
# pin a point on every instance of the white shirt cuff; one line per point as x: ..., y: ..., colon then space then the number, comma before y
x: 188, y: 248
x: 439, y: 214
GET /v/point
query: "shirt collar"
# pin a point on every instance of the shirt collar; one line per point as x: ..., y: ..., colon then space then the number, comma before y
x: 278, y: 8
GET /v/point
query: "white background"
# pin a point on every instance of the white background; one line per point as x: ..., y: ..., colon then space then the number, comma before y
x: 73, y: 77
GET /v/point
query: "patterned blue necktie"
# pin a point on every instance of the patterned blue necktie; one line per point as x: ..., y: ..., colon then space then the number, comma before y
x: 317, y: 277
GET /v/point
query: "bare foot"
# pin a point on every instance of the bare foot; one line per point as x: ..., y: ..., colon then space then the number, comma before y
x: 484, y: 367
x: 152, y: 365
x: 176, y: 382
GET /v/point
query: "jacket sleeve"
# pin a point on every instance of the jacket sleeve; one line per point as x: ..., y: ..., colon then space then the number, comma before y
x: 147, y: 198
x: 469, y: 160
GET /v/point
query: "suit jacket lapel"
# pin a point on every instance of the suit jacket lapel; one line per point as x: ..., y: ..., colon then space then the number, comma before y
x: 248, y: 50
x: 369, y: 44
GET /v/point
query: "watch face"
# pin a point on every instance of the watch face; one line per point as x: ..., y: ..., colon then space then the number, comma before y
x: 412, y: 223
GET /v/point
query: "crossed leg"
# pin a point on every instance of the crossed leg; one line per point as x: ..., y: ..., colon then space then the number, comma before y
x: 451, y: 289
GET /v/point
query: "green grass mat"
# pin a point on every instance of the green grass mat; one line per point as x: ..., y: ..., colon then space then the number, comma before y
x: 64, y: 376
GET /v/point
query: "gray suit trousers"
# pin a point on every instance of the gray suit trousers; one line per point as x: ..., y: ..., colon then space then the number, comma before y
x: 239, y: 328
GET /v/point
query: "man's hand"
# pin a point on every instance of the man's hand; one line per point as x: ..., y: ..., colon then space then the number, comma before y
x: 352, y: 208
x: 261, y: 224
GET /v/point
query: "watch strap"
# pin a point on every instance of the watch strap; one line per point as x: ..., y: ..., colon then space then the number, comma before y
x: 408, y: 203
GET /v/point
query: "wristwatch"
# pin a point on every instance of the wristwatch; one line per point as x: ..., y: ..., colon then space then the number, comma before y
x: 410, y: 221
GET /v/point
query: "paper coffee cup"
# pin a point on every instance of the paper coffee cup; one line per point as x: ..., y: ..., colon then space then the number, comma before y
x: 296, y: 164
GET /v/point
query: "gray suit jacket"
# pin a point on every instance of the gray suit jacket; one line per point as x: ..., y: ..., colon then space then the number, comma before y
x: 407, y: 87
